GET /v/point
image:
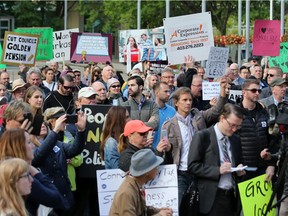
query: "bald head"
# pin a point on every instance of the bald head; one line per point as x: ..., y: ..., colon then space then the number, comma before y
x: 100, y: 90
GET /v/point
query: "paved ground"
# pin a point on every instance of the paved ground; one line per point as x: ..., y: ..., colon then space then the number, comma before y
x: 13, y: 70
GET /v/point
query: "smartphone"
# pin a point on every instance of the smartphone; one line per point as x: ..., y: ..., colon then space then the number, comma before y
x: 37, y: 124
x: 71, y: 119
x: 164, y: 134
x: 28, y: 116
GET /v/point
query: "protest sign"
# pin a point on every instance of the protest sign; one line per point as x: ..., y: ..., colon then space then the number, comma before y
x: 188, y: 35
x: 210, y: 90
x: 92, y: 161
x: 235, y: 95
x: 140, y: 44
x: 159, y: 192
x: 255, y: 195
x: 266, y: 39
x: 19, y: 48
x: 61, y: 44
x: 217, y: 62
x: 282, y: 60
x: 91, y: 47
x: 45, y: 45
x: 2, y: 66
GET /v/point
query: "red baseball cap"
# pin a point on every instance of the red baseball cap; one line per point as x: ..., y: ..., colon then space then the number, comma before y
x: 135, y: 126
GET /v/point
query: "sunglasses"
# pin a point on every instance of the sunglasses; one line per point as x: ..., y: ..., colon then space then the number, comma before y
x: 115, y: 86
x: 78, y: 75
x: 271, y: 75
x: 254, y: 90
x: 143, y: 134
x: 68, y: 87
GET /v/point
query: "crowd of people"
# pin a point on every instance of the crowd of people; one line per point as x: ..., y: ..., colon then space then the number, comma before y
x: 43, y: 127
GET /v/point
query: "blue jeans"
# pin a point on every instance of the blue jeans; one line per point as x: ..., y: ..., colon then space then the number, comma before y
x: 184, y: 181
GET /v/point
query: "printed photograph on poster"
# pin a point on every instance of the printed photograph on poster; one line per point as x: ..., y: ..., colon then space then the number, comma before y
x: 188, y: 35
x: 91, y: 47
x: 143, y: 44
x: 19, y: 49
x: 266, y: 38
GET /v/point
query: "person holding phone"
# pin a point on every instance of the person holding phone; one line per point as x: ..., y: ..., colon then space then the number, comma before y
x: 53, y: 151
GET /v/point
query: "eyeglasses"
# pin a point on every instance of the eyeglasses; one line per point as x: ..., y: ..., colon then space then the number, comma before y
x: 78, y: 75
x: 233, y: 125
x: 27, y: 175
x: 68, y: 87
x: 168, y: 77
x: 254, y: 90
x: 2, y: 89
x: 271, y: 75
x: 115, y: 86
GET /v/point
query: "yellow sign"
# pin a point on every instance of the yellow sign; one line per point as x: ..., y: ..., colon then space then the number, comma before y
x: 255, y: 195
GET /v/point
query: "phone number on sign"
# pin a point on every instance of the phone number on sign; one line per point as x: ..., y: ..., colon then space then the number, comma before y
x: 190, y: 46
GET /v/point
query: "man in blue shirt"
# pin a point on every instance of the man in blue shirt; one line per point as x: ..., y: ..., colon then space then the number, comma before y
x: 162, y: 93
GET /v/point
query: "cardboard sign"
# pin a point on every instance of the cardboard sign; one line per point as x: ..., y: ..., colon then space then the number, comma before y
x: 235, y: 95
x: 91, y: 47
x: 217, y: 62
x: 282, y: 60
x: 96, y: 115
x: 45, y: 46
x: 255, y: 195
x: 2, y: 66
x: 266, y: 39
x: 19, y: 48
x: 188, y: 35
x: 210, y: 90
x: 159, y: 192
x: 61, y: 44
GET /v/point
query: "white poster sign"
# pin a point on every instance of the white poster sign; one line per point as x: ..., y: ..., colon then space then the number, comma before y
x: 61, y: 44
x: 217, y: 62
x: 235, y: 95
x: 19, y: 48
x: 159, y: 192
x: 210, y: 90
x: 188, y: 35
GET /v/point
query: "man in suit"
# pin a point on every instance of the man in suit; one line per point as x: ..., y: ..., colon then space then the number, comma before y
x: 213, y: 152
x: 278, y: 89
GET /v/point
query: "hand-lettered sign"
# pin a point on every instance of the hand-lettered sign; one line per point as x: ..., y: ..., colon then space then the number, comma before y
x: 210, y: 90
x: 19, y: 48
x: 266, y: 39
x: 255, y: 195
x: 282, y: 60
x: 217, y: 62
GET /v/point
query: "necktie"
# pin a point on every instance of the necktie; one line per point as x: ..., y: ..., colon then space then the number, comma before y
x: 226, y: 157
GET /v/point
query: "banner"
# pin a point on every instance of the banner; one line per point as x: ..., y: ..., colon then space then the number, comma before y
x: 19, y: 49
x: 91, y: 47
x: 2, y: 66
x: 266, y: 39
x: 159, y: 192
x: 96, y: 115
x: 255, y: 195
x: 188, y: 35
x: 217, y: 62
x: 61, y: 44
x: 45, y: 46
x: 282, y: 60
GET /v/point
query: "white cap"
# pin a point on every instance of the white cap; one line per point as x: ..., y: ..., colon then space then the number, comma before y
x: 86, y: 92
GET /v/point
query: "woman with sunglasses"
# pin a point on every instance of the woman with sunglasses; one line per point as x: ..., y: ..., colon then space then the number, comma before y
x: 134, y: 138
x: 17, y: 143
x: 114, y: 92
x: 16, y: 182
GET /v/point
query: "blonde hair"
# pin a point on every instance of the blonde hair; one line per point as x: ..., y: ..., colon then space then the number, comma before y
x: 123, y: 143
x: 11, y: 200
